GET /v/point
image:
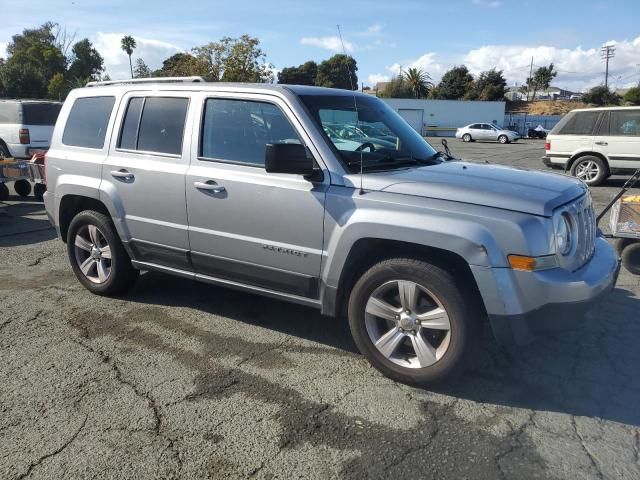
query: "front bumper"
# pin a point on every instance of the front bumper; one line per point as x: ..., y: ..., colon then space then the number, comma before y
x: 525, y: 305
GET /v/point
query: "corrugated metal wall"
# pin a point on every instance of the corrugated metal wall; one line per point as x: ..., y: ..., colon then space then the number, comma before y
x: 521, y: 123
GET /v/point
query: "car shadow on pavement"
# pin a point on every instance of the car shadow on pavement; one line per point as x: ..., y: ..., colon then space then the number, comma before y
x: 589, y: 372
x: 24, y: 223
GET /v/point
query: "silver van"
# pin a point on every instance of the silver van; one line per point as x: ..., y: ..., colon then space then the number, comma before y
x: 239, y: 185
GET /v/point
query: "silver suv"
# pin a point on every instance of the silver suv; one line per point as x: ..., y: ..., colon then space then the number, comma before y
x: 241, y: 186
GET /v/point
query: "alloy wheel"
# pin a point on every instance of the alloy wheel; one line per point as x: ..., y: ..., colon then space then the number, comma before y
x: 93, y: 254
x: 587, y: 171
x: 407, y: 324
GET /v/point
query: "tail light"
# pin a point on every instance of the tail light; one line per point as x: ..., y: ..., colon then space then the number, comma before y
x: 25, y: 139
x: 547, y: 145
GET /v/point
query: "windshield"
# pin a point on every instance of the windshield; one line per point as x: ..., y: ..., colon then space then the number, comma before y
x: 375, y: 134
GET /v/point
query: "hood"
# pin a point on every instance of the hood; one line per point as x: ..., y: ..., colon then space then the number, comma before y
x: 508, y: 188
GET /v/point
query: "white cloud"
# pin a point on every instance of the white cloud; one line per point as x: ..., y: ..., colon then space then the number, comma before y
x: 116, y: 61
x: 579, y: 68
x: 3, y: 50
x: 487, y: 3
x: 428, y: 63
x: 373, y: 30
x: 377, y: 77
x: 328, y: 43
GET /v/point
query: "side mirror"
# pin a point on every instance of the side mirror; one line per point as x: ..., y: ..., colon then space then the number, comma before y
x: 289, y: 158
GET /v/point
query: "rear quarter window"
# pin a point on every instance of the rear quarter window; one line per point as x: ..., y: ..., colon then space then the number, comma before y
x: 577, y: 123
x: 87, y: 122
x: 9, y: 112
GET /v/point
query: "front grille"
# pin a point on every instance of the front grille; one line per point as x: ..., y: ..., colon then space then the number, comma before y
x: 584, y: 220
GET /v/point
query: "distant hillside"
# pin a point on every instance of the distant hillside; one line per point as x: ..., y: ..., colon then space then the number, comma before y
x: 548, y: 107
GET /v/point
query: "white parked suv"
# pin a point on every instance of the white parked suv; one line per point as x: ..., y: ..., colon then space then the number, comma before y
x: 594, y: 143
x: 26, y: 126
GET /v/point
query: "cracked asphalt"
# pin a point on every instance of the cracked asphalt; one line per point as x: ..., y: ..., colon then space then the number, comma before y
x: 185, y: 380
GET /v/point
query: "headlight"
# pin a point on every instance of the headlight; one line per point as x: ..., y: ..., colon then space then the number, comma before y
x: 563, y: 234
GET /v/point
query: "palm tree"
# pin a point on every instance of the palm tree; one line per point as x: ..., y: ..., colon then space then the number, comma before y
x: 128, y: 43
x: 419, y: 82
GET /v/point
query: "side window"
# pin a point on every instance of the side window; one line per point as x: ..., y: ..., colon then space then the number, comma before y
x: 87, y: 122
x: 476, y: 126
x: 625, y: 123
x: 239, y: 130
x: 154, y: 124
x: 581, y: 123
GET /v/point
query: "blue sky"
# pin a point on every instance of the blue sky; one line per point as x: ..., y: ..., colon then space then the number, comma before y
x: 381, y: 35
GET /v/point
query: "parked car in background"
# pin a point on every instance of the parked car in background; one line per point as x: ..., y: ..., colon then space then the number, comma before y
x: 486, y: 132
x: 538, y: 132
x: 595, y: 143
x: 240, y: 185
x: 26, y: 126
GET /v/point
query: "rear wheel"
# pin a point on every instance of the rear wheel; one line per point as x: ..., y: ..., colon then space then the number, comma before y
x: 38, y: 191
x: 630, y: 257
x: 591, y: 170
x: 466, y: 138
x: 97, y: 256
x: 503, y: 139
x: 411, y: 321
x: 22, y: 187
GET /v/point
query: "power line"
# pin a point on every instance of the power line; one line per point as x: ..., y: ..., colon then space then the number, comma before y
x: 606, y: 53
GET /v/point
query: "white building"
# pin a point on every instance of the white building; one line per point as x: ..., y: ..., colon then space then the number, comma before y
x: 442, y: 117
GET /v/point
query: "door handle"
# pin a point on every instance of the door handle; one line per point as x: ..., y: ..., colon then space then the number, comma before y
x: 602, y: 143
x: 210, y: 186
x: 123, y: 174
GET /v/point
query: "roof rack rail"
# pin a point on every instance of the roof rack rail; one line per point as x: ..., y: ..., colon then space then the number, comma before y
x: 147, y: 80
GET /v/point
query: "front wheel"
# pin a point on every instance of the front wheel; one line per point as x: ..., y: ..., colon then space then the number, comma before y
x: 411, y: 321
x: 97, y: 256
x: 503, y: 139
x: 630, y: 257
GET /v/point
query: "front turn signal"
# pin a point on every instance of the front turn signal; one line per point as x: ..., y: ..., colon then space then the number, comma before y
x: 531, y: 264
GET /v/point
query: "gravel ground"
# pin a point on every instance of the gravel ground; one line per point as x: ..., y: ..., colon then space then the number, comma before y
x: 186, y: 380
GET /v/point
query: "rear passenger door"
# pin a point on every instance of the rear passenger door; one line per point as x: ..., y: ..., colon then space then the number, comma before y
x: 247, y: 225
x: 144, y: 175
x: 618, y: 138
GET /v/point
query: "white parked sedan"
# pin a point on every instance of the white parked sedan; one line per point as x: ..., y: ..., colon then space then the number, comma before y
x: 486, y: 131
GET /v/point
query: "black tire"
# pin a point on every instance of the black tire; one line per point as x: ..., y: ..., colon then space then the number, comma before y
x: 4, y: 192
x: 631, y: 257
x: 445, y: 288
x: 503, y: 139
x: 38, y: 191
x: 122, y: 274
x: 466, y: 138
x: 581, y: 165
x: 22, y: 187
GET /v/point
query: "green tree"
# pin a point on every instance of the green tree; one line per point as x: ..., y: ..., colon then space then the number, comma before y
x: 182, y: 65
x: 396, y: 88
x: 454, y: 85
x: 87, y: 62
x: 57, y: 88
x: 418, y: 82
x: 601, y: 95
x: 541, y: 79
x: 141, y: 70
x: 490, y: 86
x: 633, y: 96
x: 32, y: 59
x: 128, y: 44
x: 234, y: 60
x: 338, y: 71
x: 304, y: 74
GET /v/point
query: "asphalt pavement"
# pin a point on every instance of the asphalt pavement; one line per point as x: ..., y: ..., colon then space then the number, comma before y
x: 184, y: 380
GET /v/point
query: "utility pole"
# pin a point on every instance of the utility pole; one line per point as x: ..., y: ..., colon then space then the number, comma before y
x: 530, y: 79
x: 607, y: 52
